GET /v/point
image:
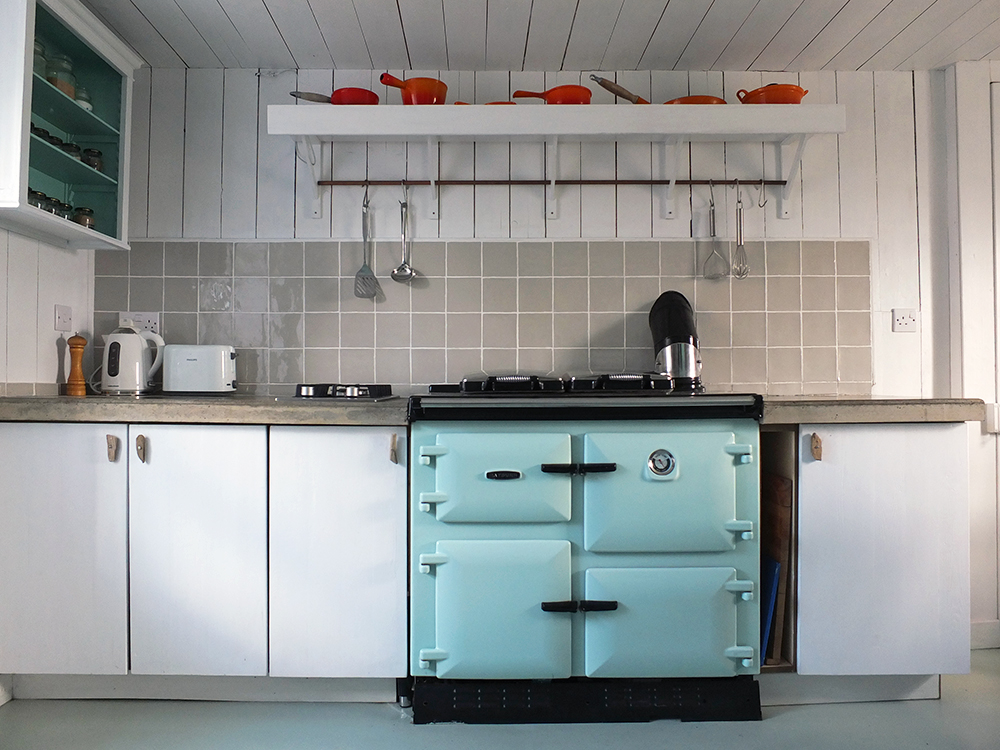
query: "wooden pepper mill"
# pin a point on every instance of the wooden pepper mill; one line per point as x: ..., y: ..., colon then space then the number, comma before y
x: 76, y: 384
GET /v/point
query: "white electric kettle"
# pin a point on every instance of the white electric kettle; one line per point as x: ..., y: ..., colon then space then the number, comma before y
x: 127, y: 367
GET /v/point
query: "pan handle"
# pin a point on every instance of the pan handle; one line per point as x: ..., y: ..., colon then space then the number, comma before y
x: 391, y: 80
x: 617, y: 90
x: 520, y: 94
x: 309, y: 96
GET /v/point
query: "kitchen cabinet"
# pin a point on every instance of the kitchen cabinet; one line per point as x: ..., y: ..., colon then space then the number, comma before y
x: 104, y: 67
x: 63, y: 549
x: 883, y: 549
x: 198, y: 549
x: 337, y: 551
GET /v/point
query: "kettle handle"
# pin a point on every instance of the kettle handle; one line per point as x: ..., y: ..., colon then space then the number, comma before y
x: 160, y: 343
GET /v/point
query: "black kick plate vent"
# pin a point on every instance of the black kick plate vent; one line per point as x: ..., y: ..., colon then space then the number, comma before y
x: 585, y: 700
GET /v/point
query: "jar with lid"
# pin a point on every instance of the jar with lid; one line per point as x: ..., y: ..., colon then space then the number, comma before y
x: 59, y: 72
x: 83, y: 98
x: 73, y: 150
x: 39, y: 63
x: 64, y: 210
x: 36, y: 198
x: 93, y: 158
x: 84, y: 216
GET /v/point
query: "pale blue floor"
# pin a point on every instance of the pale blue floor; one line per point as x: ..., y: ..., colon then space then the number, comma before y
x: 967, y: 716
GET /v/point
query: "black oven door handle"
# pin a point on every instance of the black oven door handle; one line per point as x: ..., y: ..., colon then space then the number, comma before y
x: 578, y: 468
x: 570, y: 606
x: 596, y: 605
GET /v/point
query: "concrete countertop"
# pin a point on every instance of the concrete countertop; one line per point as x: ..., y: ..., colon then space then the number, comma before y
x: 239, y: 409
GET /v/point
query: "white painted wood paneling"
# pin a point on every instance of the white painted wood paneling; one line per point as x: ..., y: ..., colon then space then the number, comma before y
x: 492, y: 163
x: 337, y: 548
x: 22, y: 309
x: 64, y: 278
x: 548, y: 34
x: 166, y: 153
x: 239, y: 154
x: 383, y: 33
x: 676, y: 27
x: 203, y: 153
x: 764, y: 21
x: 893, y: 19
x: 744, y: 162
x: 313, y: 162
x: 634, y: 161
x: 979, y: 46
x: 299, y: 31
x: 598, y: 161
x: 917, y: 33
x: 939, y: 50
x: 423, y: 27
x: 633, y: 29
x: 791, y: 226
x: 338, y: 22
x: 138, y: 204
x: 506, y: 31
x: 664, y: 86
x: 720, y: 24
x: 4, y: 334
x: 593, y: 24
x: 218, y: 32
x: 795, y: 34
x: 465, y: 30
x: 895, y: 277
x: 275, y: 161
x: 527, y: 162
x: 820, y: 171
x: 63, y: 597
x: 846, y: 24
x: 198, y: 550
x: 179, y: 32
x: 858, y: 209
x: 256, y: 27
x: 874, y: 528
x: 350, y: 162
x: 130, y: 24
x: 708, y: 161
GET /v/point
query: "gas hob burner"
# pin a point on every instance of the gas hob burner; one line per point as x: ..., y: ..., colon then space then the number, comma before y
x: 502, y: 384
x: 610, y: 384
x: 618, y: 382
x: 372, y: 392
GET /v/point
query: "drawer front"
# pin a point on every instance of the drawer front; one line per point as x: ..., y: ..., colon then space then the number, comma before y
x: 670, y: 622
x: 498, y: 478
x: 682, y: 503
x: 489, y: 623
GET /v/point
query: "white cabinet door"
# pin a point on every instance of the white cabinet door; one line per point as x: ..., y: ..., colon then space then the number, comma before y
x: 198, y: 549
x: 63, y: 590
x: 337, y: 552
x: 883, y: 579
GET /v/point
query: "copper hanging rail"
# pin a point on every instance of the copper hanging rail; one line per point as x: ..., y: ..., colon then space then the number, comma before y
x: 542, y: 183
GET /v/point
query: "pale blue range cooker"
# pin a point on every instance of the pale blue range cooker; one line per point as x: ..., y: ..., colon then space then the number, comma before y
x: 585, y: 554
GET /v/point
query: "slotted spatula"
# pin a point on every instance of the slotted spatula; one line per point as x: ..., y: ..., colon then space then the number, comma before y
x: 365, y: 283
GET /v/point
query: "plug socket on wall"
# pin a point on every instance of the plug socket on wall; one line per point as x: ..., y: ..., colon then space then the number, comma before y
x: 64, y: 318
x: 904, y: 320
x: 144, y: 321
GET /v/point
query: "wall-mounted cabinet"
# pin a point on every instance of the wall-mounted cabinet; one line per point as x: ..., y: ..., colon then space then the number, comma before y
x: 87, y: 104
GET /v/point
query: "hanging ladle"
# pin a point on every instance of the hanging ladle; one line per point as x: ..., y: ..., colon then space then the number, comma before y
x: 404, y: 272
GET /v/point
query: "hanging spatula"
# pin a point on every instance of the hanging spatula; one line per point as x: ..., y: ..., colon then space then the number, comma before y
x: 365, y: 283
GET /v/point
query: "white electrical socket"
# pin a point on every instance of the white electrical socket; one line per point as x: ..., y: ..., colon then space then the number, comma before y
x: 904, y: 320
x: 144, y: 321
x: 64, y: 318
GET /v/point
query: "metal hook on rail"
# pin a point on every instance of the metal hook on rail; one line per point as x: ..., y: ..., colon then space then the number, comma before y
x: 763, y: 195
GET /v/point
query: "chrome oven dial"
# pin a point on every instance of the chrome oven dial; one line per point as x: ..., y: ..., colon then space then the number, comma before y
x: 661, y: 462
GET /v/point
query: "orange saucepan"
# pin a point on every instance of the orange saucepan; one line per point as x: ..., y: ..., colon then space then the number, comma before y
x: 418, y: 90
x: 569, y: 93
x: 697, y: 100
x: 773, y: 93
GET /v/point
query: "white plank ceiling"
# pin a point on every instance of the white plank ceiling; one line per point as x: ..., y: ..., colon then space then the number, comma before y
x: 550, y: 35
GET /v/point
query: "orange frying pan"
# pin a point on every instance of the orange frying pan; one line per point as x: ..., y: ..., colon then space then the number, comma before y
x: 570, y: 93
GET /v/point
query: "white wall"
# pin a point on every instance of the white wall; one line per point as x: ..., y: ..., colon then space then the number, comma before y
x: 34, y: 358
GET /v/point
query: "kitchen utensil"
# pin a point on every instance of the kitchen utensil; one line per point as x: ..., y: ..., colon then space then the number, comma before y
x: 403, y: 273
x: 675, y: 341
x: 617, y: 90
x: 773, y: 93
x: 417, y: 90
x: 203, y: 368
x: 716, y: 266
x: 741, y: 266
x: 366, y: 285
x: 697, y: 100
x: 569, y: 93
x: 347, y: 95
x: 76, y: 383
x: 126, y: 366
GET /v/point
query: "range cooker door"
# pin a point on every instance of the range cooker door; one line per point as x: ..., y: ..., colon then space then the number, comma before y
x: 669, y: 622
x: 670, y: 492
x: 497, y: 477
x: 489, y: 623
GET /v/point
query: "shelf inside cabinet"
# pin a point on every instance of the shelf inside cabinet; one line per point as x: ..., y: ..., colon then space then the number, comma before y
x: 58, y: 164
x: 52, y: 104
x: 594, y: 122
x: 34, y: 222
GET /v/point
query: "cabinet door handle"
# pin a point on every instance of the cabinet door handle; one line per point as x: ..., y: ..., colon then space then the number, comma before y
x: 596, y: 605
x: 816, y: 446
x: 570, y: 606
x: 393, y: 456
x: 578, y: 468
x: 112, y: 448
x: 140, y: 447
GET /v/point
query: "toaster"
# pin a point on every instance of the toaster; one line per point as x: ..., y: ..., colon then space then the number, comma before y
x: 199, y: 369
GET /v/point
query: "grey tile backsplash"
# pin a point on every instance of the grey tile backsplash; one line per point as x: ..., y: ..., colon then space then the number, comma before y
x: 799, y: 324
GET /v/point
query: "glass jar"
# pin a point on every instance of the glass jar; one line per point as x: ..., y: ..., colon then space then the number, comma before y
x: 93, y: 158
x: 36, y: 198
x: 59, y: 72
x: 83, y: 98
x: 64, y: 210
x: 49, y: 204
x: 73, y: 150
x: 39, y: 63
x: 84, y: 216
x: 55, y: 140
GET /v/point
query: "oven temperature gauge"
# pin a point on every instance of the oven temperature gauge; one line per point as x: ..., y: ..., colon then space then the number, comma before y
x: 661, y: 462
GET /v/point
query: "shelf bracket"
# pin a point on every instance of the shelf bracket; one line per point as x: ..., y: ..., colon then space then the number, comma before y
x: 552, y: 170
x: 670, y: 153
x: 799, y: 141
x: 312, y: 145
x: 433, y: 148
